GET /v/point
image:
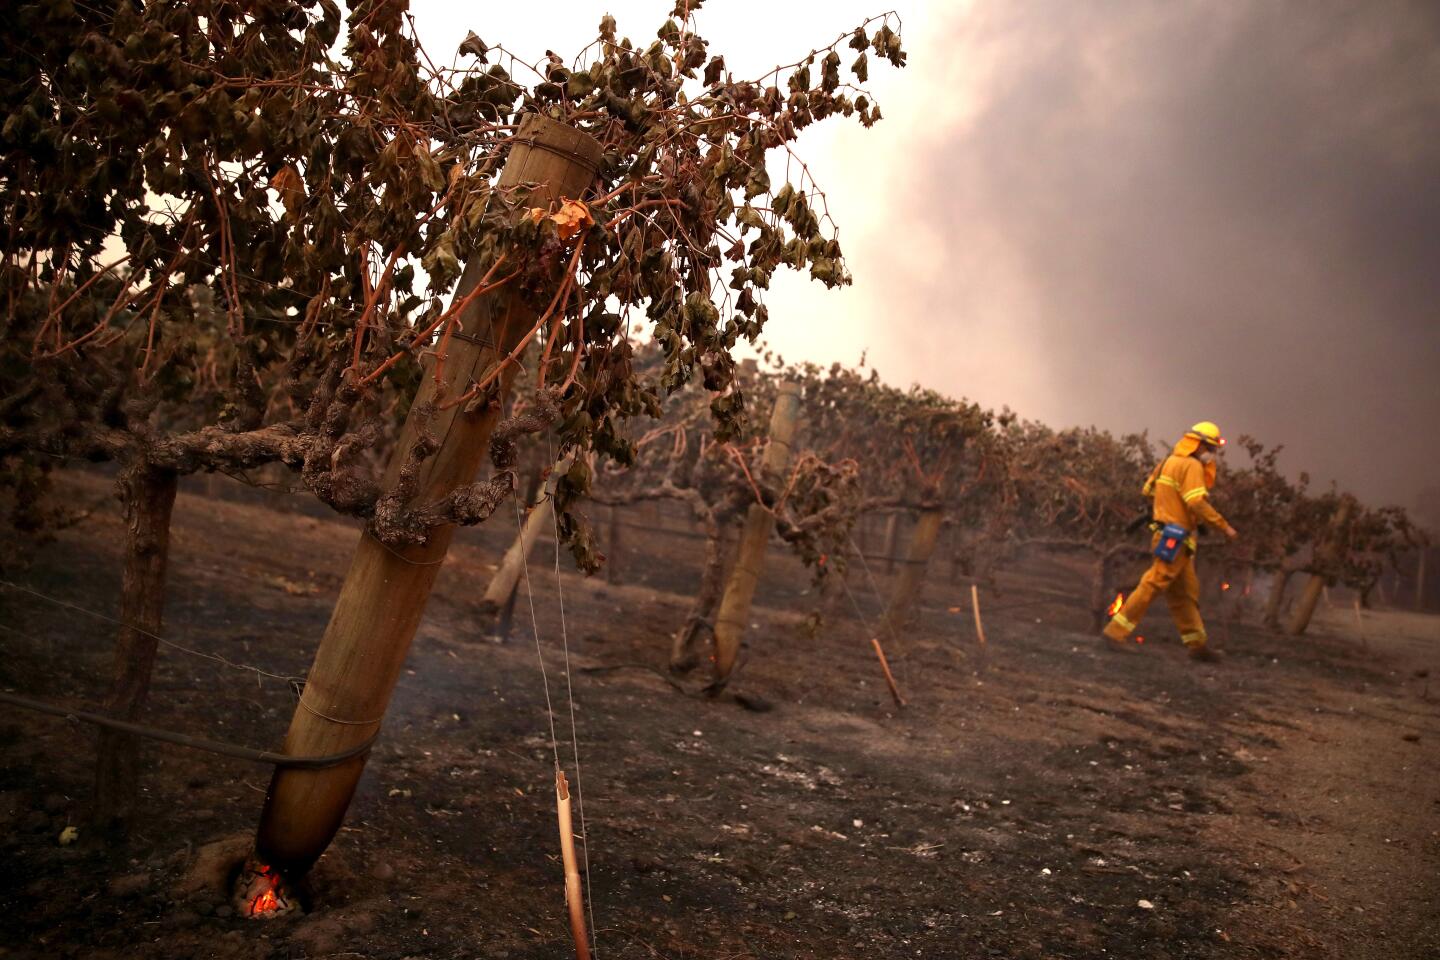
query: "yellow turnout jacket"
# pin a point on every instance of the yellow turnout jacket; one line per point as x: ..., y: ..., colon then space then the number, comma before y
x: 1180, y: 486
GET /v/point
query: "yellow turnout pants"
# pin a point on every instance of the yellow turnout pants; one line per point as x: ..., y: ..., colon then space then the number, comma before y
x: 1182, y: 592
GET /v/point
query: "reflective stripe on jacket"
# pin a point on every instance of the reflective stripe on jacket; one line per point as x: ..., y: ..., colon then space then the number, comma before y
x: 1181, y: 495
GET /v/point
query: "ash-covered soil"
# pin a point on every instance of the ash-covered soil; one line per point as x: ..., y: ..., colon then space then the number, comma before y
x: 1044, y: 798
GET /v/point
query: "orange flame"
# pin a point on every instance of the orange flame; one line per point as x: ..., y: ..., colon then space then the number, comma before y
x: 261, y: 890
x: 1115, y: 605
x: 264, y: 903
x: 1224, y: 586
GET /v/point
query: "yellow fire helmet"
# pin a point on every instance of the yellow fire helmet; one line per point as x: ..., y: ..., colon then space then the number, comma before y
x: 1208, y: 432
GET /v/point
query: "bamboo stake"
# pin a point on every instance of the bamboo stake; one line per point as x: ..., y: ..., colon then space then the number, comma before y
x: 975, y: 605
x: 574, y: 897
x: 889, y: 677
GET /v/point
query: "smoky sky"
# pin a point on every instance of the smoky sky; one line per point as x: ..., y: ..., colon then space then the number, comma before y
x: 1223, y: 210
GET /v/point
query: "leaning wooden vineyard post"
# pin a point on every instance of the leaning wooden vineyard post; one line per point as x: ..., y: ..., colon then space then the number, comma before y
x: 541, y: 519
x: 385, y: 591
x: 1327, y: 559
x: 759, y: 522
x: 917, y: 562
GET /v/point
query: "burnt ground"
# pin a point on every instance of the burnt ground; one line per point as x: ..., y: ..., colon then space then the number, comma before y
x: 1282, y: 804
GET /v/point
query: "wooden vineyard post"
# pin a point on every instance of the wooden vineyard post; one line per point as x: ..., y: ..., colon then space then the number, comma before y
x: 383, y: 597
x: 759, y: 522
x: 1327, y: 557
x: 149, y: 498
x: 505, y: 616
x: 912, y: 578
x: 540, y: 519
x: 507, y: 575
x: 892, y: 528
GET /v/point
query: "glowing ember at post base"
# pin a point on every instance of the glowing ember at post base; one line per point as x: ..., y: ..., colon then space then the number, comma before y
x: 261, y: 893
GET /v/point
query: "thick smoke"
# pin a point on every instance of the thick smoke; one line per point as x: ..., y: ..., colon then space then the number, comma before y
x: 1153, y: 211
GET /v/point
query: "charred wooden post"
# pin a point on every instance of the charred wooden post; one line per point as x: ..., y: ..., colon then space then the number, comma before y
x: 917, y: 561
x: 1327, y: 559
x: 384, y: 594
x: 149, y: 497
x: 759, y: 522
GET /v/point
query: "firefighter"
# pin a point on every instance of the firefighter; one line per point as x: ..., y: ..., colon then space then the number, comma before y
x: 1180, y: 487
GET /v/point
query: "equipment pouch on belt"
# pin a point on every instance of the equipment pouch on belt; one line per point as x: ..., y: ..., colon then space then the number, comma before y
x: 1171, y: 542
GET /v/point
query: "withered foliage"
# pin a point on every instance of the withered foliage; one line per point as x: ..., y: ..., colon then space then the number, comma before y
x: 230, y: 241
